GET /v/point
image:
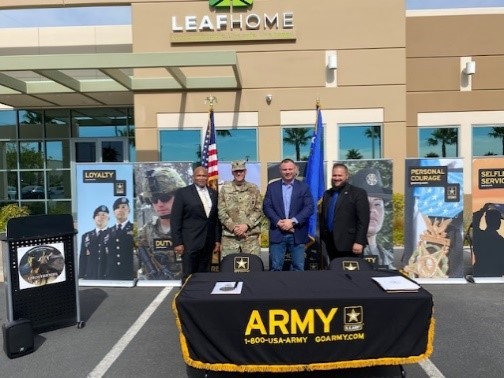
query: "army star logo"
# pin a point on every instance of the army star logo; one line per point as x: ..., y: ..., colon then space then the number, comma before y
x: 241, y: 264
x: 354, y: 317
x: 229, y: 3
x: 371, y: 179
x: 350, y: 265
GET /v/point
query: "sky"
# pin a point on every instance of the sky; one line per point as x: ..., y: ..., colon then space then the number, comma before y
x: 121, y: 15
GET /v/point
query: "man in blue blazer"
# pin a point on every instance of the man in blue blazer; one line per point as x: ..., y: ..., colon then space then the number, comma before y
x: 196, y: 230
x: 288, y: 204
x: 344, y: 216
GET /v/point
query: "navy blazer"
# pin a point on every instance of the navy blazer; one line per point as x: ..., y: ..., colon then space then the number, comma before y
x: 190, y: 225
x: 301, y: 208
x: 351, y: 218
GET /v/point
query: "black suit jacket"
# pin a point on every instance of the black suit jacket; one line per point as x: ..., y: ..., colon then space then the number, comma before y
x: 190, y: 225
x: 351, y: 218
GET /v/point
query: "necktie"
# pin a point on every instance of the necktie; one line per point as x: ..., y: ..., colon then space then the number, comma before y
x: 119, y: 227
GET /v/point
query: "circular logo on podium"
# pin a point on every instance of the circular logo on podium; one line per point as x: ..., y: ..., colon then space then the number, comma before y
x: 41, y: 265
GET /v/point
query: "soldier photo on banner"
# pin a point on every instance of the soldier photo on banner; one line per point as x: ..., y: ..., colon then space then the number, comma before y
x: 105, y: 215
x: 375, y: 177
x: 156, y: 185
x: 433, y: 232
x: 488, y: 217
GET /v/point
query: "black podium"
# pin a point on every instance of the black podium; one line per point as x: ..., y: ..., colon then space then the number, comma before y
x: 40, y: 271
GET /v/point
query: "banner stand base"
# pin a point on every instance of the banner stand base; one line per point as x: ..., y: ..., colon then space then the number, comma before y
x: 106, y: 283
x: 488, y: 279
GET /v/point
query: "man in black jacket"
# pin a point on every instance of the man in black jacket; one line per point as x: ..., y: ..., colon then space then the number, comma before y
x: 344, y: 216
x: 196, y: 230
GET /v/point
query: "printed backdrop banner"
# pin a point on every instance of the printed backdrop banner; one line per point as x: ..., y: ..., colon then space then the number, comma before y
x: 433, y: 240
x: 488, y: 211
x: 156, y: 184
x: 375, y: 176
x: 105, y: 215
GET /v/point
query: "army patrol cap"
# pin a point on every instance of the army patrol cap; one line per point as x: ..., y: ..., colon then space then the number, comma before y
x: 162, y: 181
x: 238, y: 165
x: 370, y: 180
x: 120, y: 201
x: 102, y: 209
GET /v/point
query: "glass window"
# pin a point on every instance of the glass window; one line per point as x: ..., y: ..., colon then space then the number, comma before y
x: 33, y: 185
x: 236, y: 144
x: 57, y: 123
x: 31, y: 155
x: 112, y: 151
x: 360, y: 141
x: 488, y: 140
x: 58, y: 154
x: 296, y: 142
x: 8, y: 186
x: 59, y: 207
x: 9, y: 151
x: 180, y: 145
x: 58, y: 184
x: 438, y: 141
x: 85, y: 152
x: 31, y: 124
x: 7, y: 124
x: 99, y: 123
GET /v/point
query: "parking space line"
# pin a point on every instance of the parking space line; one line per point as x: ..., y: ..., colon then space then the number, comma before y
x: 123, y: 342
x: 430, y: 369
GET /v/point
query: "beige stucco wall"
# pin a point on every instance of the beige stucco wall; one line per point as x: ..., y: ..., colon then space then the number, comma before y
x: 371, y: 69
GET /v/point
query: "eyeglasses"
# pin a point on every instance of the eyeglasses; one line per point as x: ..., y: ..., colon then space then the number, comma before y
x: 163, y: 197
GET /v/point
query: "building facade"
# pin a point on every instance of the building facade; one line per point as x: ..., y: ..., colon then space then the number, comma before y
x: 385, y: 78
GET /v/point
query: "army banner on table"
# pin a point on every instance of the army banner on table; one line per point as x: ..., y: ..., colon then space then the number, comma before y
x: 488, y: 211
x: 375, y: 176
x: 433, y: 229
x: 105, y: 215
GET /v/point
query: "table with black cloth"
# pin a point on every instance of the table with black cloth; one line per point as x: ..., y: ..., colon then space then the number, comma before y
x: 301, y: 321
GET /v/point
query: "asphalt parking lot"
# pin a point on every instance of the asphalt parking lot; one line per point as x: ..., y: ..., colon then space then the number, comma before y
x: 131, y: 332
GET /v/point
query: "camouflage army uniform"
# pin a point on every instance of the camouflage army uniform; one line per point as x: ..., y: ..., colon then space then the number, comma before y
x: 240, y: 204
x: 164, y: 265
x: 155, y: 247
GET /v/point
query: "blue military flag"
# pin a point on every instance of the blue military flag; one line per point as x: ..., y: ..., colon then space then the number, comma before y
x: 315, y: 171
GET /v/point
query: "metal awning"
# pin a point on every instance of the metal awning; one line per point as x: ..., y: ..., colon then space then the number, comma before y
x: 64, y: 80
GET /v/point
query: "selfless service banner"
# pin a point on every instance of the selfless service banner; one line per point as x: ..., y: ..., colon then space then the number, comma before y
x: 434, y: 206
x: 488, y: 211
x: 375, y: 176
x: 105, y: 215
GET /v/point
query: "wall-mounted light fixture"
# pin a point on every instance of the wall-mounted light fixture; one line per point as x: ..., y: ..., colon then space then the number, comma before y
x: 269, y: 98
x: 470, y: 67
x: 332, y: 62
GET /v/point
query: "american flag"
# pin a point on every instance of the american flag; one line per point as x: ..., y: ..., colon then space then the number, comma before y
x: 209, y: 158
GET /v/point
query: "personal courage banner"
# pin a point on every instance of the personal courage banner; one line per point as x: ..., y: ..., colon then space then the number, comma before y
x: 434, y: 206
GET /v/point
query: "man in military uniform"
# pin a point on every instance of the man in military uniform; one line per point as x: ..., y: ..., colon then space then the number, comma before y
x: 92, y: 260
x: 120, y: 243
x: 155, y: 247
x: 240, y: 212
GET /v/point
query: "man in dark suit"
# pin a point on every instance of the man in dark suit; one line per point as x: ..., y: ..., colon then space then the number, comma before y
x: 288, y: 204
x: 196, y: 230
x: 344, y: 216
x: 120, y: 243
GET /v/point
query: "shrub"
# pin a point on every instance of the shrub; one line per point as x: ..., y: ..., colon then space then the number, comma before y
x: 398, y: 219
x: 11, y: 211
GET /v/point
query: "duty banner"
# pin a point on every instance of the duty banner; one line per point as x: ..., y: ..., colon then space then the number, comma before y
x: 488, y: 212
x: 433, y: 240
x: 105, y: 221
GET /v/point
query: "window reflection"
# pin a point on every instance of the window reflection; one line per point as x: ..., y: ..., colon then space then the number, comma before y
x: 488, y: 140
x: 180, y: 145
x: 296, y: 142
x: 8, y: 124
x: 438, y: 141
x: 360, y: 141
x: 236, y: 144
x: 31, y: 155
